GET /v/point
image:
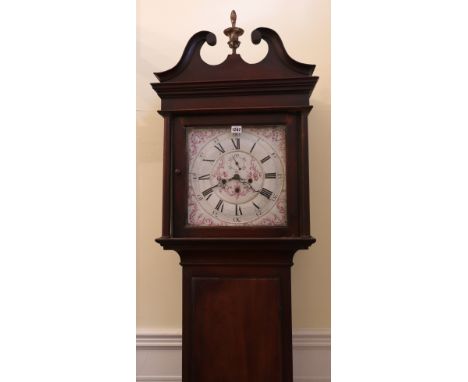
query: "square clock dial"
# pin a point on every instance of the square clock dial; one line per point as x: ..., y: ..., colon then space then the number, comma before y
x: 236, y: 176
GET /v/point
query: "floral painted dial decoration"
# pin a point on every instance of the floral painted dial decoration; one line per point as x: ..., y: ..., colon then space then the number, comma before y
x: 237, y: 178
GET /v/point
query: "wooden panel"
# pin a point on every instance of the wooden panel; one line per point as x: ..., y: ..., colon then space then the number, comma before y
x: 236, y: 330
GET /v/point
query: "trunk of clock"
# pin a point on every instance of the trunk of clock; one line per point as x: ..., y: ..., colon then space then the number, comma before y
x: 236, y: 316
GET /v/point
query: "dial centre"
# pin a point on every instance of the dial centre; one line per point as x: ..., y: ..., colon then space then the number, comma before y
x: 240, y: 176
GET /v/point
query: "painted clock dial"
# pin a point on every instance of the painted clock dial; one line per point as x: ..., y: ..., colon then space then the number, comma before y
x: 236, y: 179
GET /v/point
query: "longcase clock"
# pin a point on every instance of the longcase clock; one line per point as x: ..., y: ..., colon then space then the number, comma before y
x: 236, y: 203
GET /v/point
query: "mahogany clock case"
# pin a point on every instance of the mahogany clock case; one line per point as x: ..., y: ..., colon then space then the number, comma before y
x: 236, y: 279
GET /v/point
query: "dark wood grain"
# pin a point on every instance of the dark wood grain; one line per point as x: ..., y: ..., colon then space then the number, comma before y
x: 236, y: 325
x: 166, y: 181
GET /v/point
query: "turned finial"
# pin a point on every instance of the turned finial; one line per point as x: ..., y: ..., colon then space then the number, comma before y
x: 233, y: 33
